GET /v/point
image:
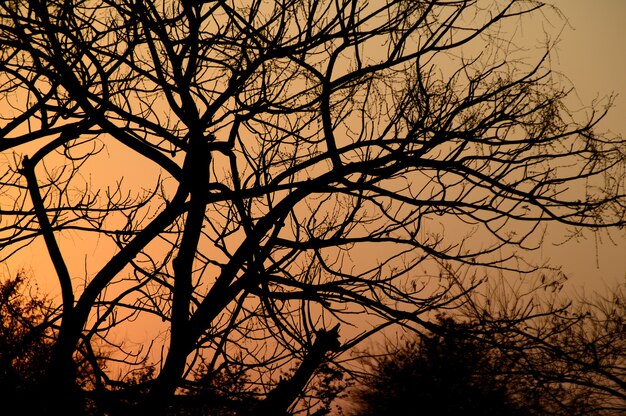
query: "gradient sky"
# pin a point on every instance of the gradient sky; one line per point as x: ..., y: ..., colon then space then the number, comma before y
x: 592, y: 51
x: 592, y: 54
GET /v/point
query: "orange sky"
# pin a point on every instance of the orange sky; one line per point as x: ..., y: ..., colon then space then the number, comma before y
x: 592, y: 54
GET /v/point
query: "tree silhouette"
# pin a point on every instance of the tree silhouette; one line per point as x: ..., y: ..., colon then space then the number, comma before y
x: 25, y: 339
x: 27, y: 334
x: 575, y: 353
x: 469, y: 368
x: 448, y: 374
x: 226, y: 169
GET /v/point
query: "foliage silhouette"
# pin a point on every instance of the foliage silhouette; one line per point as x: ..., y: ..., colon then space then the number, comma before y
x: 462, y: 371
x: 575, y: 353
x: 447, y: 374
x: 25, y: 340
x: 218, y: 174
x: 27, y: 334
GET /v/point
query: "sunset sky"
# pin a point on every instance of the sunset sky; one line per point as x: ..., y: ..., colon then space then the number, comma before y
x: 592, y: 52
x: 203, y: 191
x: 592, y: 55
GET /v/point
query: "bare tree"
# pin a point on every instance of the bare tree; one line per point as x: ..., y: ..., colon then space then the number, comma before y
x: 576, y: 353
x: 532, y: 349
x: 236, y: 164
x: 553, y: 351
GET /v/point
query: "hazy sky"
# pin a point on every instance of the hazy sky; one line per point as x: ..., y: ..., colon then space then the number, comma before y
x: 592, y: 54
